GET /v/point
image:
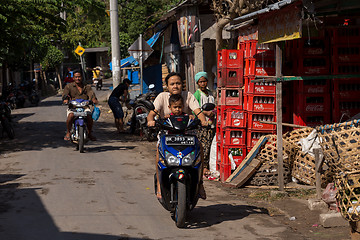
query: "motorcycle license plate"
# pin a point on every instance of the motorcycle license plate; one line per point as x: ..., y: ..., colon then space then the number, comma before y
x: 180, y: 140
x: 80, y: 114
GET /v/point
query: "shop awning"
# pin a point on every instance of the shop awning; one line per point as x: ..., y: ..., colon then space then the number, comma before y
x: 131, y: 61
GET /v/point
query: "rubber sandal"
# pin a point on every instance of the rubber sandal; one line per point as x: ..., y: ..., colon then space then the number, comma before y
x: 66, y: 138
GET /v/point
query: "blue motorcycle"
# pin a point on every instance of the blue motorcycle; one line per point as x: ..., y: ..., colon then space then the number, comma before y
x: 179, y: 164
x: 79, y: 134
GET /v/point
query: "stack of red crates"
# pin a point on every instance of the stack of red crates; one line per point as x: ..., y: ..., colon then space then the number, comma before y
x: 345, y: 52
x: 231, y: 118
x: 259, y: 98
x: 312, y: 97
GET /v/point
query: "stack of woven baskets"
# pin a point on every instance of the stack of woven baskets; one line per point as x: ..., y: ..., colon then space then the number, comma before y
x: 341, y: 148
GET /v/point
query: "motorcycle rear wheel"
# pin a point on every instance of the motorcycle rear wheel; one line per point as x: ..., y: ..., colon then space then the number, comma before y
x: 81, y: 139
x: 7, y: 127
x: 180, y: 210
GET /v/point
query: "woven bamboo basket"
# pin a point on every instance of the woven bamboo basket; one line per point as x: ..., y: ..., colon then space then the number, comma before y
x: 269, y: 151
x: 267, y: 174
x: 294, y: 136
x: 348, y: 195
x: 341, y: 145
x: 304, y: 170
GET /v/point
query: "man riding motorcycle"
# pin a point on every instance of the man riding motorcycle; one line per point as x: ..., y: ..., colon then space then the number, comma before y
x: 78, y: 90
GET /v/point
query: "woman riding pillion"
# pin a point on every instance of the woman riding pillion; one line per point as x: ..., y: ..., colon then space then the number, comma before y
x: 161, y: 103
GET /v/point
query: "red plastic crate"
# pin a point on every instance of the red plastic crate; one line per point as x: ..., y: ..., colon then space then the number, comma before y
x: 250, y: 48
x: 264, y: 88
x: 234, y: 137
x: 312, y: 103
x: 318, y: 86
x: 314, y: 65
x: 346, y: 89
x: 260, y: 103
x: 345, y: 35
x: 254, y: 118
x: 345, y: 53
x: 230, y: 58
x: 225, y: 172
x: 346, y: 68
x: 230, y: 77
x: 264, y: 67
x: 265, y: 51
x: 253, y: 136
x: 345, y: 108
x: 234, y: 118
x: 316, y: 46
x: 238, y: 154
x: 311, y: 120
x: 230, y: 96
x: 249, y: 67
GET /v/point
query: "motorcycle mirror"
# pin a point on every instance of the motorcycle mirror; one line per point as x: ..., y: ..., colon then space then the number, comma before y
x: 151, y: 86
x: 208, y: 106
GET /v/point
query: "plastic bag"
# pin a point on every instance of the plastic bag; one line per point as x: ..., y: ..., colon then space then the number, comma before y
x: 329, y: 195
x: 96, y: 113
x: 212, y: 160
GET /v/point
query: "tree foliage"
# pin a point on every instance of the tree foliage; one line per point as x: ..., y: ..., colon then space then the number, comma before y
x: 33, y: 30
x: 227, y: 10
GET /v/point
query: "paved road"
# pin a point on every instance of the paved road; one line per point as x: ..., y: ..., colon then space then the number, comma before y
x: 50, y: 191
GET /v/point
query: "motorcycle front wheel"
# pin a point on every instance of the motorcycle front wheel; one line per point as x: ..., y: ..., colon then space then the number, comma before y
x: 81, y: 139
x: 180, y: 210
x: 7, y: 127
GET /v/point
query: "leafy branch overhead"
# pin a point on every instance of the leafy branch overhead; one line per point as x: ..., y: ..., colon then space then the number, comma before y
x: 227, y: 10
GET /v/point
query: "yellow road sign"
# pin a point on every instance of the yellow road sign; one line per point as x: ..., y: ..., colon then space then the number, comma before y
x: 79, y: 50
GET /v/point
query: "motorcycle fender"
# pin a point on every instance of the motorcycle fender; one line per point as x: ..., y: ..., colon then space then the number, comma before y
x: 178, y: 175
x: 79, y: 122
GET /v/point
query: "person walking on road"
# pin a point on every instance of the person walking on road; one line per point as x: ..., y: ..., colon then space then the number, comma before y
x: 114, y: 103
x: 204, y: 95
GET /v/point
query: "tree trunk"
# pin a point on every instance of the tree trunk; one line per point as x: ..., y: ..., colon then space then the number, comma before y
x: 58, y: 75
x: 219, y: 28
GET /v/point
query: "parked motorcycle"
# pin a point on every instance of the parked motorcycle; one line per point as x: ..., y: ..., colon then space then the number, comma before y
x: 5, y: 118
x: 139, y: 117
x: 179, y: 164
x: 98, y: 83
x: 79, y: 134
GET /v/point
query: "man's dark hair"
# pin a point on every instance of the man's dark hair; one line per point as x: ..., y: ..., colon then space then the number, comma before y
x: 126, y: 80
x: 171, y: 75
x: 175, y: 98
x: 77, y: 71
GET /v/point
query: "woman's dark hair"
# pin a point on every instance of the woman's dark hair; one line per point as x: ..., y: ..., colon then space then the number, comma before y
x: 175, y: 98
x: 171, y: 75
x: 126, y: 80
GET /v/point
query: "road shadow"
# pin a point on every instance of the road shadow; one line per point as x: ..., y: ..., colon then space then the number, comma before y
x: 108, y: 148
x: 206, y: 216
x: 23, y: 216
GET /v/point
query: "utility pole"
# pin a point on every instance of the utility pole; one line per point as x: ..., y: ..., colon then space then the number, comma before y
x: 115, y: 44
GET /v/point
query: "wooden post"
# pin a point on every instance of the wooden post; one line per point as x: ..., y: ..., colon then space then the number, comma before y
x: 318, y: 167
x: 279, y: 133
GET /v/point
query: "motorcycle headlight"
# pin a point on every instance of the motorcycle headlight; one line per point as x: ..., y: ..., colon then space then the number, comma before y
x: 83, y: 104
x: 171, y: 159
x: 188, y: 159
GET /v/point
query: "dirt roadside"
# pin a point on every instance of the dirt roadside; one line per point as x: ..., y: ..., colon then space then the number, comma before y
x: 282, y: 208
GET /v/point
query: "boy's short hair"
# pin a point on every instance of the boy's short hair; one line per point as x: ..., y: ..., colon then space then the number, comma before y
x: 175, y: 98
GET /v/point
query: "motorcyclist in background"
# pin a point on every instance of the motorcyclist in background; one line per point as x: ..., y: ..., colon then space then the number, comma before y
x: 78, y: 90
